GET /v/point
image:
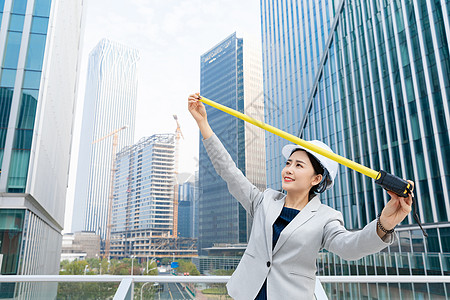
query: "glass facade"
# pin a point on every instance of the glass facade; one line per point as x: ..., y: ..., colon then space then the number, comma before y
x: 293, y: 41
x: 30, y: 84
x: 379, y: 96
x: 230, y: 76
x: 11, y: 229
x: 28, y: 246
x: 17, y: 86
x: 9, y: 66
x: 185, y: 210
x: 384, y: 291
x: 219, y: 219
x: 6, y: 95
x: 187, y: 216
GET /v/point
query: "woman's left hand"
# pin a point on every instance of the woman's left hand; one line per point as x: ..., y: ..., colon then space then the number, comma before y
x: 396, y: 209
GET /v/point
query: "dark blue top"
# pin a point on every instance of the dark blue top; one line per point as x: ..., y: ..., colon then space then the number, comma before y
x: 286, y: 216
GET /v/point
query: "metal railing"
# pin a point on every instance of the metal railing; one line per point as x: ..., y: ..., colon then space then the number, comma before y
x: 126, y: 287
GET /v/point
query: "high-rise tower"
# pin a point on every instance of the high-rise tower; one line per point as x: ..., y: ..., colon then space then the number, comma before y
x: 110, y: 104
x: 231, y: 75
x: 370, y: 79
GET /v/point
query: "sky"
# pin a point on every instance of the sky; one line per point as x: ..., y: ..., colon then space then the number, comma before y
x: 170, y: 36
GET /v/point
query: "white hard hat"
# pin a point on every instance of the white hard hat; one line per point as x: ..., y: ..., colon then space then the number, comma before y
x: 330, y: 165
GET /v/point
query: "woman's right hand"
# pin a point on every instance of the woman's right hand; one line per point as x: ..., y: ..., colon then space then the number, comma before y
x: 198, y: 111
x: 197, y: 108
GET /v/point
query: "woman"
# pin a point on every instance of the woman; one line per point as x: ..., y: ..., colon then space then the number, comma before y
x: 290, y: 229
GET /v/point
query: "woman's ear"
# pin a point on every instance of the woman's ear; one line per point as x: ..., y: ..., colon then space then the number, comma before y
x: 317, y: 179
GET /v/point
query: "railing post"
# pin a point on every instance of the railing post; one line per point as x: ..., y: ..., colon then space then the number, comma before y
x: 125, y: 291
x: 319, y: 292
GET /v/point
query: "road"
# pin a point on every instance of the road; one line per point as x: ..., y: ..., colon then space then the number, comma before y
x: 173, y: 291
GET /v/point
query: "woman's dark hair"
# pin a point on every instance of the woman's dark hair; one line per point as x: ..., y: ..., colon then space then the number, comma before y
x: 318, y: 169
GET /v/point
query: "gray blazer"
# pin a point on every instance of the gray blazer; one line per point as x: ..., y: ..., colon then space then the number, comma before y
x: 290, y: 269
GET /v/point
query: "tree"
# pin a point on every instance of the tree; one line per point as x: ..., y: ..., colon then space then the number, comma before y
x: 166, y: 261
x: 99, y: 290
x: 94, y: 263
x: 153, y: 269
x: 63, y: 264
x: 114, y: 264
x: 222, y: 272
x: 186, y: 266
x: 104, y: 266
x: 74, y: 268
x: 122, y: 269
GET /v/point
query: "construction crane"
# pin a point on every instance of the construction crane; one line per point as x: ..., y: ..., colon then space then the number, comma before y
x: 115, y: 135
x: 179, y: 135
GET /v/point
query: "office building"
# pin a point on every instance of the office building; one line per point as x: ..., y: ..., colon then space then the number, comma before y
x: 196, y: 205
x: 220, y: 257
x: 71, y: 251
x: 39, y: 47
x: 109, y: 105
x: 370, y: 79
x: 230, y: 75
x: 187, y: 204
x: 80, y: 245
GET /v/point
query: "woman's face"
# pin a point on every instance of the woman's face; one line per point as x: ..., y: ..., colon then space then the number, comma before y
x: 298, y: 175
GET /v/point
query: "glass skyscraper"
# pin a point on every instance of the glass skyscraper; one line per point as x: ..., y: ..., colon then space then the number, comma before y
x: 109, y: 104
x: 370, y: 79
x: 231, y: 74
x: 187, y: 204
x: 39, y: 47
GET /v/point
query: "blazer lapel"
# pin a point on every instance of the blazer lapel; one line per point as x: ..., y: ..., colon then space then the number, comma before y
x: 304, y: 215
x: 273, y: 211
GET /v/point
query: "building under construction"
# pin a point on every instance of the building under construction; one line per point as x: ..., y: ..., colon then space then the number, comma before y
x: 143, y: 219
x: 144, y: 243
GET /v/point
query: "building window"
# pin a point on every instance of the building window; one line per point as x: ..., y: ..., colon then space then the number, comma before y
x: 11, y: 227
